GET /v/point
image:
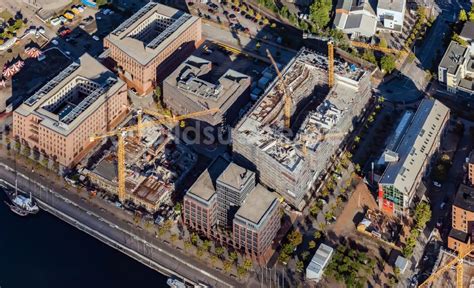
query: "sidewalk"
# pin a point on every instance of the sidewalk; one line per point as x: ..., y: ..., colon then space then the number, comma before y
x: 111, y: 213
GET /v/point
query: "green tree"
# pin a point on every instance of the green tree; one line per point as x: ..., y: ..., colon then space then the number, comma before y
x: 283, y: 257
x: 157, y: 94
x: 241, y: 272
x: 369, y: 56
x: 295, y: 238
x: 312, y: 244
x: 357, y: 168
x: 206, y: 245
x: 356, y: 139
x: 471, y: 16
x: 300, y: 266
x: 194, y: 239
x: 233, y: 256
x: 317, y: 235
x: 383, y: 43
x: 320, y: 12
x: 220, y: 251
x: 304, y: 255
x: 177, y: 208
x: 458, y: 39
x: 228, y: 265
x: 187, y: 245
x: 248, y: 264
x: 314, y: 210
x: 388, y: 63
x: 422, y: 214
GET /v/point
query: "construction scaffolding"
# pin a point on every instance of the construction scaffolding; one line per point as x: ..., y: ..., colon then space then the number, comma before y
x: 261, y: 142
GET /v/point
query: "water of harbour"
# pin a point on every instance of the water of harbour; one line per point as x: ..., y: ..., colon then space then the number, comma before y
x: 41, y: 251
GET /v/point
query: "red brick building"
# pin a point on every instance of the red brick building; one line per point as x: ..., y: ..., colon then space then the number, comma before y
x: 462, y: 219
x: 255, y: 220
x: 144, y: 44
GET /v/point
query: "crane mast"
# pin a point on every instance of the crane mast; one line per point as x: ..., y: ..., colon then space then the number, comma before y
x: 287, y: 106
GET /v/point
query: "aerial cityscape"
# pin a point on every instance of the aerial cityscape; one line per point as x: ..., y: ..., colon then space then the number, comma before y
x: 237, y: 143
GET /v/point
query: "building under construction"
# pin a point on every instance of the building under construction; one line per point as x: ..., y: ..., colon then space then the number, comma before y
x: 155, y: 165
x: 289, y: 161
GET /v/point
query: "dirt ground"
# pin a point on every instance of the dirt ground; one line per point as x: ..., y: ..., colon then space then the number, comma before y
x: 361, y: 197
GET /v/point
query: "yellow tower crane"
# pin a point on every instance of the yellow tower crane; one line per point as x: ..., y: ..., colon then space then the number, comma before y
x: 121, y: 133
x: 285, y: 92
x: 330, y: 64
x: 458, y: 262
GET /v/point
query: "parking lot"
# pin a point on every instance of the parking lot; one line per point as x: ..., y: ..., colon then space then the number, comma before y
x: 224, y: 60
x: 239, y: 20
x: 35, y: 73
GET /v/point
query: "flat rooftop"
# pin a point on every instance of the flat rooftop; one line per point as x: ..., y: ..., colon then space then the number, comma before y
x: 418, y: 139
x: 205, y: 186
x: 453, y: 57
x: 62, y: 111
x: 392, y: 5
x: 147, y: 32
x: 192, y: 79
x: 465, y: 198
x: 257, y: 204
x: 235, y: 176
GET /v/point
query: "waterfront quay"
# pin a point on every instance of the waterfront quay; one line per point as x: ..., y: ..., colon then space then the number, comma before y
x: 106, y: 227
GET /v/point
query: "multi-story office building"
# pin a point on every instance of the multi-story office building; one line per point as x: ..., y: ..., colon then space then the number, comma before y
x: 143, y: 43
x: 252, y: 211
x: 196, y: 86
x: 233, y: 185
x: 200, y: 202
x: 462, y: 219
x: 58, y: 120
x: 411, y: 158
x: 257, y: 222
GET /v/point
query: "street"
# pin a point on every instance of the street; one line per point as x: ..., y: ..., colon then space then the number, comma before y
x: 111, y: 226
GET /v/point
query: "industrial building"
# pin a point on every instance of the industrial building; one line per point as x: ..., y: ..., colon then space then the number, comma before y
x: 155, y: 167
x: 143, y: 43
x: 194, y: 87
x: 290, y: 164
x: 462, y: 217
x: 57, y: 121
x: 410, y: 160
x: 456, y: 69
x: 226, y: 204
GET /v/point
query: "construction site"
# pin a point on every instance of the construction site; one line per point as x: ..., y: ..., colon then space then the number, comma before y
x: 301, y: 120
x: 155, y: 164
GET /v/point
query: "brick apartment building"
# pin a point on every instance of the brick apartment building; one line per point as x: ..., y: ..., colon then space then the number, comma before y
x: 58, y: 120
x: 141, y: 45
x: 470, y: 169
x: 256, y: 222
x: 256, y: 218
x: 462, y: 219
